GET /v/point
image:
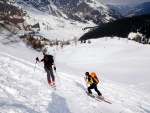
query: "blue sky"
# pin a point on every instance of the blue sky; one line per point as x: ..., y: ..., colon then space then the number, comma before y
x: 123, y: 1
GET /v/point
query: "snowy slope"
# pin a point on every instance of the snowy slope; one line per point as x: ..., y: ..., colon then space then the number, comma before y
x: 22, y: 92
x: 119, y: 60
x: 25, y: 91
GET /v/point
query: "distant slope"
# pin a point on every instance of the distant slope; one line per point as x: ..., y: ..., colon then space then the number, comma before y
x: 119, y: 8
x: 139, y: 10
x: 121, y: 28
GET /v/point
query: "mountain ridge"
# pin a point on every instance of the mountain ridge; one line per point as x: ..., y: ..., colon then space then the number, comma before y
x: 83, y: 11
x: 144, y: 8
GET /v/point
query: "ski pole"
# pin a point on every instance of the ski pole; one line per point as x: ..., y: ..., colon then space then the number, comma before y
x: 57, y: 77
x: 34, y: 67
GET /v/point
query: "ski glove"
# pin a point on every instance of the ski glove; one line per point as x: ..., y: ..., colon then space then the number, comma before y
x: 55, y: 68
x: 37, y: 59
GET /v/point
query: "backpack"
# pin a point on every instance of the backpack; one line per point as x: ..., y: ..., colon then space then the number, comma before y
x: 94, y: 77
x: 48, y: 60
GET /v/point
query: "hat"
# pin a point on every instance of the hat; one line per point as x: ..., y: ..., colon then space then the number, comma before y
x: 87, y: 73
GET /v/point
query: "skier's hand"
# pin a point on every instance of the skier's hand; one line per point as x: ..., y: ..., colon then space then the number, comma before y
x: 55, y: 68
x: 87, y: 82
x: 37, y: 59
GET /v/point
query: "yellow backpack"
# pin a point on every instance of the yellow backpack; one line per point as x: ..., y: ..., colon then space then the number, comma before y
x: 95, y: 78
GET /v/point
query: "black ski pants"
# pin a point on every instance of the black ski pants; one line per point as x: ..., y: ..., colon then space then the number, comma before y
x: 50, y: 75
x: 94, y: 86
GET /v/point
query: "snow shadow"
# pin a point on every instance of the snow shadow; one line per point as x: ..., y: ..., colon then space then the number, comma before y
x: 80, y: 85
x: 146, y: 111
x: 58, y: 104
x: 18, y: 106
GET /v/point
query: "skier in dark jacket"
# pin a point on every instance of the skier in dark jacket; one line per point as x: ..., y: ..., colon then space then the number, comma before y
x: 93, y: 81
x: 48, y: 62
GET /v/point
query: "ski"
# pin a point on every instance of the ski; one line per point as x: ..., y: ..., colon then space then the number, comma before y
x: 93, y: 96
x: 98, y: 99
x: 53, y: 86
x: 102, y: 99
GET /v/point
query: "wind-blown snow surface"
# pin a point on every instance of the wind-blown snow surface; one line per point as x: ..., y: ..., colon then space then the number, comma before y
x: 115, y: 61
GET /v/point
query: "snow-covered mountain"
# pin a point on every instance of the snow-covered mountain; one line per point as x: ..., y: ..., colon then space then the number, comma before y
x: 119, y: 8
x: 139, y: 10
x: 84, y: 11
x: 50, y: 26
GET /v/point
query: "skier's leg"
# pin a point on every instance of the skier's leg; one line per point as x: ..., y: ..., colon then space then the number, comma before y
x: 51, y: 73
x: 89, y: 88
x: 48, y: 75
x: 98, y: 92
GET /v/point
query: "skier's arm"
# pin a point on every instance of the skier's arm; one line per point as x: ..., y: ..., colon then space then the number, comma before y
x: 54, y: 66
x: 53, y: 63
x: 37, y: 59
x: 86, y: 80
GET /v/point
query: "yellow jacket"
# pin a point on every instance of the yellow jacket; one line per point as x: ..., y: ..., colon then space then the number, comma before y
x: 92, y: 79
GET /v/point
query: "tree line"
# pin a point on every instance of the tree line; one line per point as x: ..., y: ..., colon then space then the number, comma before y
x: 121, y: 28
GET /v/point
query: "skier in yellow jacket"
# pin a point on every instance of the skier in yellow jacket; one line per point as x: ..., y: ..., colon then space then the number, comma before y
x: 93, y: 81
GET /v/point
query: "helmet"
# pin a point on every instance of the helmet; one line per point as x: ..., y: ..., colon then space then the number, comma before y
x: 87, y: 73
